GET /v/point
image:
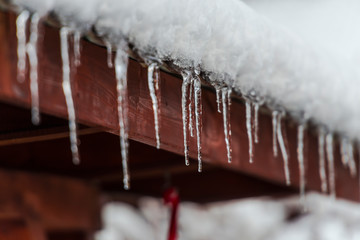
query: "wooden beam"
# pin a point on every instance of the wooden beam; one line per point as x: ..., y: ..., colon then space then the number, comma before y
x: 95, y: 100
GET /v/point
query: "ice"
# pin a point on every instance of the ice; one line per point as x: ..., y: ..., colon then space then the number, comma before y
x: 184, y: 110
x: 31, y: 49
x: 274, y: 131
x: 322, y: 169
x: 352, y: 164
x: 283, y: 149
x: 256, y: 121
x: 21, y: 22
x: 77, y: 48
x: 109, y: 53
x: 300, y: 156
x: 249, y: 129
x: 198, y: 117
x: 121, y: 65
x: 66, y: 85
x: 226, y: 102
x: 218, y: 97
x: 153, y: 69
x: 344, y: 152
x: 191, y: 107
x: 331, y: 164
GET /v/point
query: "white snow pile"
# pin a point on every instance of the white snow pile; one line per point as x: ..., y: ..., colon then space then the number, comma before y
x: 251, y: 219
x: 311, y: 72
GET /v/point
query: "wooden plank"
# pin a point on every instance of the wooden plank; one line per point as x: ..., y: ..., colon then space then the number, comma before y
x: 95, y: 99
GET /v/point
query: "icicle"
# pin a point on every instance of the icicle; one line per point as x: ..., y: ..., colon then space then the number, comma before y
x: 256, y: 122
x: 153, y: 94
x: 31, y: 49
x: 218, y: 97
x: 300, y: 156
x: 191, y: 115
x: 184, y: 96
x: 274, y: 127
x: 21, y: 21
x: 344, y: 152
x: 352, y: 164
x: 226, y: 102
x: 109, y: 53
x: 121, y: 64
x: 322, y: 171
x: 330, y: 158
x: 198, y: 114
x: 248, y: 128
x: 77, y: 37
x: 283, y: 149
x: 66, y: 84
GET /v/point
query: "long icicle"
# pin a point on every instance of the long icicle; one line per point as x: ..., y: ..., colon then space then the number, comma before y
x: 274, y: 131
x: 352, y: 164
x: 66, y: 84
x: 256, y: 122
x: 109, y: 53
x: 330, y: 158
x: 184, y: 97
x: 31, y: 49
x: 121, y: 64
x: 198, y: 114
x: 283, y: 149
x: 226, y: 102
x: 344, y: 151
x: 77, y: 48
x: 249, y: 130
x: 301, y: 162
x: 218, y: 97
x: 152, y: 70
x: 322, y: 171
x: 191, y: 108
x: 21, y: 21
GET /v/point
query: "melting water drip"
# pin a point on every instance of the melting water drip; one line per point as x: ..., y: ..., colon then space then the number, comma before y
x: 66, y: 84
x: 21, y: 21
x: 191, y: 115
x: 331, y: 167
x: 300, y: 156
x: 218, y: 97
x: 248, y: 128
x: 109, y: 53
x: 274, y: 131
x: 283, y: 149
x: 121, y: 64
x: 198, y: 114
x: 226, y: 103
x: 256, y: 122
x: 77, y: 37
x: 184, y: 111
x: 31, y: 48
x: 322, y: 171
x: 153, y: 69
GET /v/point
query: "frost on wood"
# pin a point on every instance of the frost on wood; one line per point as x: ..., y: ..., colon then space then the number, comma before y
x: 66, y: 84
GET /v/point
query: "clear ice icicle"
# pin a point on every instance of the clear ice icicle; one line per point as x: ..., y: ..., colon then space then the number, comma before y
x: 300, y: 157
x: 322, y: 171
x: 352, y: 164
x: 191, y: 115
x: 121, y: 64
x: 77, y: 48
x: 184, y: 111
x: 31, y: 48
x: 331, y: 164
x: 152, y: 83
x: 218, y: 97
x: 283, y: 149
x: 198, y: 114
x: 226, y: 102
x: 21, y: 21
x: 344, y: 151
x: 274, y: 131
x: 109, y: 53
x: 66, y: 85
x: 249, y: 130
x: 256, y: 122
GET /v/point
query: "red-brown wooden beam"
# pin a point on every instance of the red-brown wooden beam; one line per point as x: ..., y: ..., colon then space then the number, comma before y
x: 95, y: 100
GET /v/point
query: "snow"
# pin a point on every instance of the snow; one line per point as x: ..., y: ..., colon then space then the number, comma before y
x: 252, y: 219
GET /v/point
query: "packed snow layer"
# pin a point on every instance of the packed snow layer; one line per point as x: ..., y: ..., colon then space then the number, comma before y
x: 251, y: 219
x: 237, y: 46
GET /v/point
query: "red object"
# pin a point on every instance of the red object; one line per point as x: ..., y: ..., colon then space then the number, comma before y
x: 171, y: 197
